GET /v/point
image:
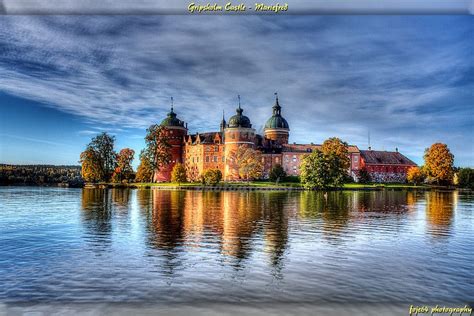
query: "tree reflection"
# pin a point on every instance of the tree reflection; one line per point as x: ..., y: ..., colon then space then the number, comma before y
x: 96, y: 215
x: 440, y: 212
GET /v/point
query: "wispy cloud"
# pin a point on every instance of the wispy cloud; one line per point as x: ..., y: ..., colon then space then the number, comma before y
x: 335, y: 75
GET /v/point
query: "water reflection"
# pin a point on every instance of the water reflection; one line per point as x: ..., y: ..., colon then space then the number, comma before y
x: 96, y: 216
x: 239, y: 224
x: 440, y: 212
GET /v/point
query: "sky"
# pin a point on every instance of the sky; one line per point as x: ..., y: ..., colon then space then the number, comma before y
x: 409, y: 80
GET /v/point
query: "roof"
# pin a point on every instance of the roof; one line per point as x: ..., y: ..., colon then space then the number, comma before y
x: 206, y: 138
x: 172, y: 120
x: 385, y: 157
x: 276, y: 121
x: 239, y: 120
x: 310, y: 147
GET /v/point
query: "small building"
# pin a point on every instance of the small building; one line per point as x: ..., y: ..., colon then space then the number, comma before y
x: 385, y: 166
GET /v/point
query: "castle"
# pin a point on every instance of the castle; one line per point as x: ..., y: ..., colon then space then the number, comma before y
x: 212, y: 150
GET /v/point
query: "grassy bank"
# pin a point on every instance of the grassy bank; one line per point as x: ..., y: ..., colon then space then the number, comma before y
x: 264, y: 185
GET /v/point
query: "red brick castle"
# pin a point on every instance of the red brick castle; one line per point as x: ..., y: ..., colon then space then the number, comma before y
x: 202, y: 151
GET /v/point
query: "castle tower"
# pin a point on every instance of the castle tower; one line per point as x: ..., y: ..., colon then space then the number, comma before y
x: 176, y: 130
x: 238, y: 132
x: 277, y: 128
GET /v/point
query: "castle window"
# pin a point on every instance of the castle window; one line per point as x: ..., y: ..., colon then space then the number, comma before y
x: 294, y: 158
x: 207, y: 158
x: 216, y: 148
x: 197, y: 159
x: 193, y: 159
x: 308, y: 150
x: 223, y: 159
x: 215, y: 158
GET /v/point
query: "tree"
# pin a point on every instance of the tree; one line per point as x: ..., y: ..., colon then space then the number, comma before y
x: 90, y: 167
x: 364, y: 176
x: 247, y: 162
x: 211, y: 177
x: 157, y: 148
x: 277, y: 173
x: 415, y: 175
x: 178, y: 174
x: 124, y: 170
x: 144, y: 170
x: 339, y: 149
x: 439, y: 163
x: 99, y: 158
x: 466, y: 178
x: 192, y: 172
x: 321, y: 171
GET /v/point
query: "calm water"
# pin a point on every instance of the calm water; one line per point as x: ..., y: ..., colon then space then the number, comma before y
x: 73, y: 245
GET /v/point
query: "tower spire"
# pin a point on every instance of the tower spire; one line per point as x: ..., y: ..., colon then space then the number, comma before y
x: 172, y: 104
x: 238, y: 96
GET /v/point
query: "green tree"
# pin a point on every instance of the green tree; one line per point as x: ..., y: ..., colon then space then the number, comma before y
x: 322, y: 171
x: 211, y: 177
x: 144, y: 170
x: 439, y: 163
x: 90, y: 167
x: 124, y: 170
x: 178, y: 174
x: 466, y: 178
x: 277, y: 173
x: 363, y: 176
x: 157, y: 150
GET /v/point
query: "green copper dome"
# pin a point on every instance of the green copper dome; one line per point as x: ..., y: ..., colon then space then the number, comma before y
x: 239, y: 120
x: 277, y: 121
x: 172, y: 120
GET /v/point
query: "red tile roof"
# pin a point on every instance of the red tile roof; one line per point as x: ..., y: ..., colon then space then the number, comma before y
x: 376, y: 157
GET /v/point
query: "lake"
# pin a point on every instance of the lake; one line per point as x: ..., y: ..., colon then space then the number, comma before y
x: 192, y: 248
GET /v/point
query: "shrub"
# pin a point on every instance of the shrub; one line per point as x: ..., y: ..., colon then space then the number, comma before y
x: 466, y: 178
x: 415, y: 175
x: 277, y: 173
x: 364, y: 176
x: 211, y: 177
x: 178, y: 174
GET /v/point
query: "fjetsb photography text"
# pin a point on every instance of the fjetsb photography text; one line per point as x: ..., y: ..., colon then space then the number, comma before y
x: 230, y: 7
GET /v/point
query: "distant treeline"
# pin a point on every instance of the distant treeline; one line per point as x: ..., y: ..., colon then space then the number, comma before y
x: 40, y: 175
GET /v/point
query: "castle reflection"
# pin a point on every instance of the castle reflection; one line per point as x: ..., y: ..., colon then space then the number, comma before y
x: 242, y: 224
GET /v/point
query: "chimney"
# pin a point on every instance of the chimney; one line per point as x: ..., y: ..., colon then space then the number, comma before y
x: 396, y: 149
x: 370, y: 148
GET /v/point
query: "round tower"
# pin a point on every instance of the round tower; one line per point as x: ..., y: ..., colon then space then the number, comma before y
x: 237, y: 133
x: 176, y: 130
x: 277, y: 128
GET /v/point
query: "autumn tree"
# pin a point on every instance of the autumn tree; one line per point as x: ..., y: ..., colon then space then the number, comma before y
x: 90, y: 168
x: 178, y: 174
x: 157, y: 150
x: 339, y: 149
x: 144, y: 170
x: 192, y: 172
x: 124, y: 170
x: 322, y: 171
x: 211, y: 176
x: 277, y: 173
x: 439, y: 163
x: 247, y: 162
x: 100, y: 158
x: 415, y: 175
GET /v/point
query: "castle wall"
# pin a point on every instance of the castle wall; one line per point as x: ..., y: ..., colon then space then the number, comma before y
x: 234, y: 138
x: 175, y: 137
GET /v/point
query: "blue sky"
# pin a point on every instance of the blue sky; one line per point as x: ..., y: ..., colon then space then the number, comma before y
x: 407, y: 79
